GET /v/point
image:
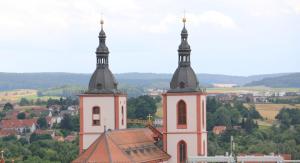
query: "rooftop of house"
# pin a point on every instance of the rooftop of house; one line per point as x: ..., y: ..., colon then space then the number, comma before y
x: 128, y: 145
x: 17, y: 123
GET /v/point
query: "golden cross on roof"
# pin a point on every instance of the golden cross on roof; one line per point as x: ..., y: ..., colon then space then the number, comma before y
x: 149, y: 118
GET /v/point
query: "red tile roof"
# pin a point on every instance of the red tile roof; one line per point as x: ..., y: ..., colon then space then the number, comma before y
x: 41, y: 132
x: 17, y: 123
x: 219, y: 129
x: 4, y: 133
x: 70, y: 138
x: 128, y: 145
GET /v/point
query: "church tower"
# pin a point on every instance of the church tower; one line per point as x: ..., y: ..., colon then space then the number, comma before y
x: 184, y: 110
x: 103, y: 106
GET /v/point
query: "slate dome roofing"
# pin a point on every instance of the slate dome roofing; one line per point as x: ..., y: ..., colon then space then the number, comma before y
x: 184, y: 78
x: 102, y: 80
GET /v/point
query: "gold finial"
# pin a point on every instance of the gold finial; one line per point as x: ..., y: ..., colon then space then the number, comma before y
x: 184, y: 19
x: 101, y: 21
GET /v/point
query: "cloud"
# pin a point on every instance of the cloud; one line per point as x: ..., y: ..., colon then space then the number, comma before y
x: 162, y: 26
x: 274, y: 8
x: 213, y: 18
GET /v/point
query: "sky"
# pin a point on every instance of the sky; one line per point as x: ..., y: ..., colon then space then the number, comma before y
x: 230, y: 37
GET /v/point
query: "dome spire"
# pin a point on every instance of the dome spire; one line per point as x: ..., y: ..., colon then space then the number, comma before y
x: 184, y: 49
x: 184, y: 78
x: 102, y: 80
x: 102, y: 50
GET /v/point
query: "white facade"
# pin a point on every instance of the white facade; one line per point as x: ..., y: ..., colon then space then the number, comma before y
x: 193, y: 133
x: 112, y: 116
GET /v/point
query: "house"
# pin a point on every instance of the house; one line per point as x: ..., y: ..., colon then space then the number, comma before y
x: 59, y: 138
x: 219, y: 129
x: 39, y: 111
x: 55, y: 108
x: 70, y: 138
x: 158, y: 122
x: 50, y: 121
x: 73, y: 108
x: 284, y: 156
x: 45, y: 132
x: 21, y: 126
x: 128, y: 145
x: 70, y: 112
x: 4, y: 133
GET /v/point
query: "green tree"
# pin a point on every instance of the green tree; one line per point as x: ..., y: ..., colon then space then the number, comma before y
x: 8, y: 106
x: 35, y: 137
x: 21, y: 115
x: 24, y: 102
x: 2, y: 115
x: 223, y: 117
x: 42, y: 123
x: 66, y: 122
x: 141, y: 107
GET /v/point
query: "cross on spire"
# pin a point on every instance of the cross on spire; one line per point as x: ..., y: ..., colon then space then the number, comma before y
x: 149, y: 118
x: 184, y: 18
x: 101, y: 21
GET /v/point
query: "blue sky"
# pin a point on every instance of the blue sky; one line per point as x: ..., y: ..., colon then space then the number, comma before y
x: 231, y: 37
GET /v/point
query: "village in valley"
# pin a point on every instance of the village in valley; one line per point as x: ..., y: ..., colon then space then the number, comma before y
x: 24, y: 118
x: 145, y: 82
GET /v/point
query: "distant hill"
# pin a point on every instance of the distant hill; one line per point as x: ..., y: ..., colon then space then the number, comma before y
x: 10, y: 81
x: 290, y: 80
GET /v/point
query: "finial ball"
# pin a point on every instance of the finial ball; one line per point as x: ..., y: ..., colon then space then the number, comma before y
x: 184, y: 20
x: 101, y: 21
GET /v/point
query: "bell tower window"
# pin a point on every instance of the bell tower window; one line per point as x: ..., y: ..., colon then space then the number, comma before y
x: 181, y: 152
x: 181, y: 115
x: 122, y: 112
x: 96, y: 116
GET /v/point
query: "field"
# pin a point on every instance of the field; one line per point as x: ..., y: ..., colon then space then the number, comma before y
x: 15, y: 95
x: 269, y: 111
x: 250, y: 90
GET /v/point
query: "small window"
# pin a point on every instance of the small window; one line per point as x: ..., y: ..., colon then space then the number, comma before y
x: 122, y: 112
x: 96, y: 122
x: 96, y: 110
x: 96, y: 116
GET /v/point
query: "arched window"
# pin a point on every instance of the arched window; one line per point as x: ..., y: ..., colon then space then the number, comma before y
x: 181, y: 114
x: 122, y: 112
x: 96, y: 116
x: 181, y: 152
x: 203, y: 114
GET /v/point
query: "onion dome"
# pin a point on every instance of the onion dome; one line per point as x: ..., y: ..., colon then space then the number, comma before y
x: 102, y: 80
x: 184, y: 78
